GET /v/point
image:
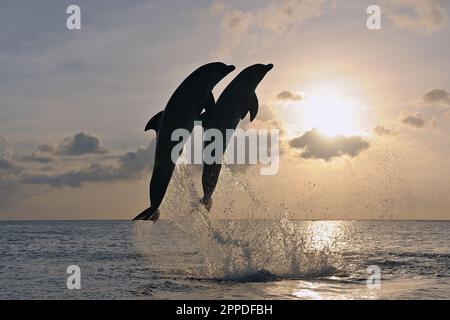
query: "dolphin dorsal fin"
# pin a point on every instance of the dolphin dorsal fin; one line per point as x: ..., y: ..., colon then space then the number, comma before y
x: 252, y: 106
x: 155, y: 122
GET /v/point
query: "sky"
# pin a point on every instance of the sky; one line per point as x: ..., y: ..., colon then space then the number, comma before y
x: 364, y: 115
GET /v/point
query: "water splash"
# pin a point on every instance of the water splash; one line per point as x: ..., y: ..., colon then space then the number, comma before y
x: 233, y: 249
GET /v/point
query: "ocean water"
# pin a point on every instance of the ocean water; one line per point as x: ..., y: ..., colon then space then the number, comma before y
x: 192, y: 254
x: 225, y: 259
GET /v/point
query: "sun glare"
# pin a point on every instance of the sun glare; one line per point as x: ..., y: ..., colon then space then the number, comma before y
x: 324, y: 234
x: 334, y: 107
x: 329, y: 114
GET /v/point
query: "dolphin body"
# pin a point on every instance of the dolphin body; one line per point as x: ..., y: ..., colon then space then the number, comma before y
x: 234, y: 103
x: 184, y: 107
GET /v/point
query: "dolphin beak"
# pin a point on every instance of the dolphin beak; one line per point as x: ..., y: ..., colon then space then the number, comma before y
x: 269, y: 66
x: 231, y: 68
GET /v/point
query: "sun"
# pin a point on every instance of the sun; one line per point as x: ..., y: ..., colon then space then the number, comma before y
x: 330, y: 114
x: 333, y: 107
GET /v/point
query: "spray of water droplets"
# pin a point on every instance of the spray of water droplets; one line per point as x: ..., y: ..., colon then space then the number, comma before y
x: 248, y: 249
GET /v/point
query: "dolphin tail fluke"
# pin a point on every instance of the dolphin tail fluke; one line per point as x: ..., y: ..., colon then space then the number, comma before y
x: 151, y: 214
x: 207, y: 203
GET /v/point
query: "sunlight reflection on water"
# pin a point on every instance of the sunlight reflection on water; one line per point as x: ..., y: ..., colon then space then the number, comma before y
x: 324, y: 233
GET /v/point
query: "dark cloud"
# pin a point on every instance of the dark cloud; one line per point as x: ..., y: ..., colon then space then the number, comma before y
x: 35, y: 157
x: 45, y: 148
x: 80, y: 144
x: 94, y: 173
x: 130, y: 166
x: 383, y: 131
x: 416, y: 121
x: 437, y: 96
x: 288, y: 95
x: 16, y: 182
x: 9, y: 168
x: 6, y: 164
x: 317, y: 146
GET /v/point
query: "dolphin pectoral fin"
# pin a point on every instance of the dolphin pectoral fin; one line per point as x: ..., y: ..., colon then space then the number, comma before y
x: 155, y: 122
x: 251, y: 106
x: 254, y: 106
x: 148, y: 214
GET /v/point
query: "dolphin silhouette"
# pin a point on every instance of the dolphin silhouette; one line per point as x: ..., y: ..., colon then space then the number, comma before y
x: 184, y: 107
x: 234, y: 103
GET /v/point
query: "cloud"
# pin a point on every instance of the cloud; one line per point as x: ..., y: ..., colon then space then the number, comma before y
x: 36, y: 157
x: 235, y: 24
x: 8, y: 167
x: 17, y: 182
x: 8, y: 179
x: 416, y: 121
x: 43, y: 154
x: 383, y: 131
x: 317, y: 146
x: 5, y: 147
x: 80, y: 144
x: 5, y: 164
x: 288, y: 95
x: 239, y: 27
x: 283, y: 15
x: 419, y: 15
x: 45, y: 148
x: 437, y: 96
x: 130, y: 166
x: 217, y: 7
x: 9, y: 189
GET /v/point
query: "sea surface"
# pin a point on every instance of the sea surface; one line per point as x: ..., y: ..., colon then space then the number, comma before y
x: 226, y: 259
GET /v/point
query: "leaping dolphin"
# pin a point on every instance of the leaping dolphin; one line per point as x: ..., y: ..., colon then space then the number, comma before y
x: 234, y: 103
x: 183, y: 108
